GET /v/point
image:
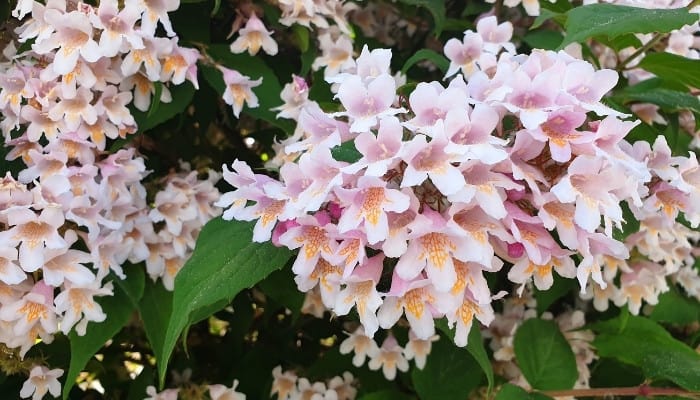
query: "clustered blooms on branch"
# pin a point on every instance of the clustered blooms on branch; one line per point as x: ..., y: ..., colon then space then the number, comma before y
x: 424, y: 196
x: 78, y: 210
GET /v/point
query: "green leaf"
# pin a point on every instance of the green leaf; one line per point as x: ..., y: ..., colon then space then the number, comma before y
x: 655, y: 91
x: 673, y: 68
x: 544, y: 355
x: 675, y: 308
x: 346, y: 152
x: 386, y: 395
x: 560, y: 288
x: 155, y: 309
x: 302, y: 37
x: 543, y: 39
x: 513, y: 392
x: 448, y: 373
x: 182, y: 97
x: 280, y: 286
x: 643, y: 343
x: 118, y: 308
x: 612, y: 20
x: 475, y: 347
x: 225, y: 261
x: 155, y: 99
x: 438, y: 59
x: 268, y: 92
x: 436, y: 8
x: 546, y: 15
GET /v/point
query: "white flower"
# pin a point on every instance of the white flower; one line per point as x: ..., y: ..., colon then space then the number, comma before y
x: 254, y: 36
x: 221, y: 392
x: 41, y: 380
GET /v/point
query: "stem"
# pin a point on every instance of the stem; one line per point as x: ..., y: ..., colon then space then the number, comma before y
x: 640, y: 50
x: 642, y: 390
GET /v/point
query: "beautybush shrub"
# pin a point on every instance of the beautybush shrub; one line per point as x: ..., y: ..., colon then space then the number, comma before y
x: 507, y: 195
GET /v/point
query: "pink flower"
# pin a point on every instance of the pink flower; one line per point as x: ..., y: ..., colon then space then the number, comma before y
x: 380, y: 152
x: 432, y: 245
x: 33, y: 234
x: 42, y: 380
x: 238, y: 90
x: 431, y: 102
x: 429, y: 160
x: 153, y: 11
x: 315, y: 242
x: 254, y: 36
x: 366, y: 103
x: 559, y: 130
x: 585, y: 87
x: 73, y: 38
x: 389, y: 358
x: 368, y: 203
x: 117, y: 27
x: 464, y: 55
x: 495, y: 35
x: 591, y: 184
x: 360, y: 291
x: 417, y: 299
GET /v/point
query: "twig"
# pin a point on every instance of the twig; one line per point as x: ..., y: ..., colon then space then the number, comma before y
x: 640, y: 50
x: 641, y: 390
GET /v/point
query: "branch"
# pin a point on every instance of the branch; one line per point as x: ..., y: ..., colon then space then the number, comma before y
x: 641, y: 390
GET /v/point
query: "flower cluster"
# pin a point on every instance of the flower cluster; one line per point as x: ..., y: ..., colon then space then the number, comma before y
x: 287, y: 386
x: 423, y: 197
x: 390, y: 357
x: 77, y: 210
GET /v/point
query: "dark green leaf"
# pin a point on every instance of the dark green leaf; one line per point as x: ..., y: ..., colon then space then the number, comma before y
x: 346, y: 152
x: 155, y: 100
x: 620, y: 42
x: 475, y: 347
x: 280, y: 286
x: 512, y: 392
x: 560, y: 288
x: 426, y: 54
x: 673, y: 68
x: 386, y: 395
x: 448, y: 374
x: 613, y: 20
x: 608, y: 372
x: 546, y: 15
x: 642, y: 342
x: 675, y: 308
x: 182, y: 96
x: 651, y: 91
x: 436, y: 8
x: 302, y: 37
x: 118, y: 308
x: 155, y: 309
x: 544, y: 355
x: 543, y: 39
x: 225, y: 261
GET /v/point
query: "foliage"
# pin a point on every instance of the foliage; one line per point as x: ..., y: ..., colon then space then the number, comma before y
x: 570, y: 228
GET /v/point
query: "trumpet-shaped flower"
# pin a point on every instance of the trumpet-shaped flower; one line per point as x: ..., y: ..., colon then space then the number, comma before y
x: 367, y: 103
x: 367, y: 204
x: 238, y: 90
x: 389, y: 358
x: 254, y: 36
x: 41, y: 381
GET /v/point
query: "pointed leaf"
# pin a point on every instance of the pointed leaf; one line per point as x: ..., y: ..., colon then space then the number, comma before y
x: 225, y: 261
x: 448, y: 373
x: 544, y: 355
x: 612, y: 20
